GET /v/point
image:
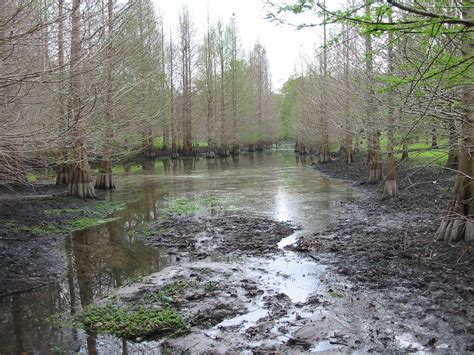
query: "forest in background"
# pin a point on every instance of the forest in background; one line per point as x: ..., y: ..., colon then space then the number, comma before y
x: 103, y: 80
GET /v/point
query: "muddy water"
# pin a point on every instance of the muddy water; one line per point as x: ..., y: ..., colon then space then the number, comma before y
x: 275, y: 184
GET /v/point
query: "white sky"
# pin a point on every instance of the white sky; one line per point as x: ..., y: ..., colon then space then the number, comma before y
x: 283, y: 43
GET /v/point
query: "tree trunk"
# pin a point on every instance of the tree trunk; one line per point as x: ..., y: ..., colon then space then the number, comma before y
x: 374, y: 158
x: 453, y: 152
x: 375, y: 162
x: 434, y: 139
x: 458, y: 223
x: 105, y: 179
x: 324, y: 151
x: 80, y: 183
x: 64, y: 167
x: 390, y: 188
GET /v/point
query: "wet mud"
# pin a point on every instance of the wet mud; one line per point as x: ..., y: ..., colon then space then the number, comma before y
x: 199, y: 237
x: 33, y: 226
x: 386, y: 249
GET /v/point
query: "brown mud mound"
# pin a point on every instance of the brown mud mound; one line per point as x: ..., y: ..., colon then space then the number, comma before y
x: 386, y: 248
x: 201, y: 236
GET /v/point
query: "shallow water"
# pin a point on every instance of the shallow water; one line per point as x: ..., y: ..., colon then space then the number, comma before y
x: 277, y: 184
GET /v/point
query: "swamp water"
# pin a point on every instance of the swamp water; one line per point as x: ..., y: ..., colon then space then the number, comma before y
x: 276, y: 184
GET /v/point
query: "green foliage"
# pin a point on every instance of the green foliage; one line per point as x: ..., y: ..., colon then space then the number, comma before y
x: 435, y: 158
x: 334, y: 293
x: 173, y: 288
x: 40, y: 229
x: 132, y: 322
x: 182, y: 207
x: 31, y: 177
x: 87, y: 222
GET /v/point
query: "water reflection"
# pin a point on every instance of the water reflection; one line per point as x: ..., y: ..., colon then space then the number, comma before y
x: 109, y: 256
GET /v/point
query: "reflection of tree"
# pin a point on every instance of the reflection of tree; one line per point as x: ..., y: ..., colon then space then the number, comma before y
x: 84, y: 262
x: 235, y: 160
x: 212, y: 164
x: 188, y: 165
x: 166, y: 165
x: 148, y: 166
x: 70, y: 274
x: 224, y: 163
x: 23, y: 328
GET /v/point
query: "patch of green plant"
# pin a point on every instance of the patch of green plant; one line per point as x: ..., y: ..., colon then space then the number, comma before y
x: 109, y: 206
x: 436, y: 158
x: 158, y: 143
x: 48, y: 229
x: 8, y: 223
x: 182, y: 206
x: 60, y: 321
x: 333, y: 293
x: 118, y: 169
x: 87, y: 222
x: 211, y: 286
x: 209, y: 200
x: 132, y: 322
x: 174, y: 287
x: 31, y: 177
x: 61, y: 211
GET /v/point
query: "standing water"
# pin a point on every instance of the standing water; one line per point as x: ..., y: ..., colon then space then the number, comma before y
x: 276, y: 184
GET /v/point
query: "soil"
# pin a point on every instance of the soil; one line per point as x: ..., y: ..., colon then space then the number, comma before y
x: 31, y: 236
x: 385, y: 248
x: 199, y: 237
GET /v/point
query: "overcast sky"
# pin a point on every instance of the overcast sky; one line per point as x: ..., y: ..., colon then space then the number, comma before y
x: 283, y: 43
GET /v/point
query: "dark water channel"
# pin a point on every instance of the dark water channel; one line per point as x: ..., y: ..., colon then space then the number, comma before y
x: 277, y: 184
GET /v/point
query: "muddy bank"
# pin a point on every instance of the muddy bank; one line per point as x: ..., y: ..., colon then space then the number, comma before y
x: 199, y: 237
x: 386, y: 247
x: 240, y: 306
x: 33, y: 224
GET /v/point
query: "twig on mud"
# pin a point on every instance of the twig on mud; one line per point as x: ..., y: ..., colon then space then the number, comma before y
x: 461, y: 256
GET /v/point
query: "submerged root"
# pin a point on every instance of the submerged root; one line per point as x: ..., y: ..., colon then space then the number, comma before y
x: 105, y: 181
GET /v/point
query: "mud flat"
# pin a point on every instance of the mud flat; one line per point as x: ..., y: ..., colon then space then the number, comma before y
x: 385, y: 248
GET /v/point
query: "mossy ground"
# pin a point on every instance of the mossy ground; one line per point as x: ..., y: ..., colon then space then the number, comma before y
x: 132, y: 322
x: 151, y: 316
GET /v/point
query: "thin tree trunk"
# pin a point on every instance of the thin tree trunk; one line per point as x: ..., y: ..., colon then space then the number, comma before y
x: 324, y: 152
x: 453, y: 152
x: 210, y: 98
x: 80, y: 183
x: 390, y: 188
x: 348, y: 144
x: 64, y: 167
x: 174, y: 138
x: 434, y: 138
x: 374, y: 157
x: 105, y: 179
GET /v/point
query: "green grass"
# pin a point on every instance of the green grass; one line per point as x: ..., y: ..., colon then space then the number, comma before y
x: 182, y: 207
x: 158, y: 143
x: 173, y: 288
x: 333, y: 293
x: 31, y: 177
x: 48, y: 229
x: 132, y: 322
x: 87, y: 222
x: 433, y: 157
